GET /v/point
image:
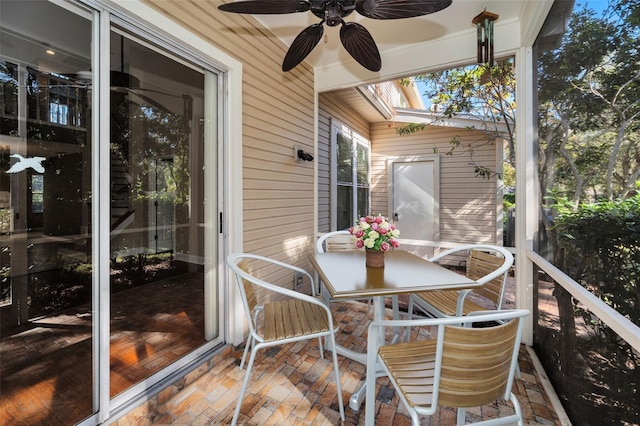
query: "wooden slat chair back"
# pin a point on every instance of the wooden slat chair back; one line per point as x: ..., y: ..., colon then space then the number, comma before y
x: 462, y: 367
x: 486, y: 264
x: 475, y: 364
x: 479, y: 265
x: 333, y: 241
x: 288, y: 316
x: 249, y: 291
x: 336, y: 241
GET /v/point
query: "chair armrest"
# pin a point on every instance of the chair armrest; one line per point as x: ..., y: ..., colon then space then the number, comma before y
x: 508, y: 258
x: 231, y: 262
x: 233, y: 265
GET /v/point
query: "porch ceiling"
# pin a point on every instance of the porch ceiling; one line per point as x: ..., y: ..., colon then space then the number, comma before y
x: 404, y: 34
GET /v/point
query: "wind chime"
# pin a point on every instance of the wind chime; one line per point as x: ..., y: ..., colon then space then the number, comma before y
x: 484, y: 24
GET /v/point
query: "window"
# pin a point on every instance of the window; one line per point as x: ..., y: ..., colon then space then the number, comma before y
x: 351, y: 169
x: 37, y: 193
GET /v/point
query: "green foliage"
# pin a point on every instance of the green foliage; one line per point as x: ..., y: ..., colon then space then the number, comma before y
x: 479, y: 91
x: 601, y: 245
x: 410, y: 129
x: 509, y: 200
x: 589, y: 104
x: 65, y: 285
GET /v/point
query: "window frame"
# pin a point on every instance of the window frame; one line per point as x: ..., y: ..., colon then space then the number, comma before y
x: 357, y: 140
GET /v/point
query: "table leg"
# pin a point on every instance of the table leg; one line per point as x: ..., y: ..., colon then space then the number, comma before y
x: 359, y: 395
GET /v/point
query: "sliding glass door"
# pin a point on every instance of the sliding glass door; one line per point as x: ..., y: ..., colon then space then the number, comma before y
x: 97, y: 304
x: 46, y: 232
x: 157, y: 210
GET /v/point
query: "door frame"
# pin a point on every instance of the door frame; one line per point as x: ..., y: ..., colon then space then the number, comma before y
x: 435, y: 159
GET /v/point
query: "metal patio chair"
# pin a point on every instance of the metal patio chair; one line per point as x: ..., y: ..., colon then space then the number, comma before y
x: 486, y: 264
x: 278, y: 315
x: 462, y: 367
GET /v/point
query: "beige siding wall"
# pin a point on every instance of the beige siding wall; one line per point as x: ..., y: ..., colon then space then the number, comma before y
x: 468, y: 209
x: 277, y: 114
x: 331, y: 108
x: 469, y: 205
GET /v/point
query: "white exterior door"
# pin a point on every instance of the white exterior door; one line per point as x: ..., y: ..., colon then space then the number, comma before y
x: 415, y: 200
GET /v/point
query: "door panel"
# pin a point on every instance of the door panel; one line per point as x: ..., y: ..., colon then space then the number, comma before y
x: 157, y: 211
x: 415, y: 201
x: 47, y: 319
x: 101, y: 302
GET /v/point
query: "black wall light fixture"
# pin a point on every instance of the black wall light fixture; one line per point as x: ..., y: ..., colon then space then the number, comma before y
x: 299, y: 154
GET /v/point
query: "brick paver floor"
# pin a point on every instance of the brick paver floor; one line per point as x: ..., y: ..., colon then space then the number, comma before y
x: 293, y: 385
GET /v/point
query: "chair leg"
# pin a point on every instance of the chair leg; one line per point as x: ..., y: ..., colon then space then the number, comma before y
x: 409, y: 317
x: 395, y: 306
x: 410, y: 308
x: 516, y: 408
x: 245, y: 384
x: 337, y: 371
x: 461, y: 416
x: 396, y: 314
x: 320, y: 347
x: 415, y: 420
x: 246, y: 350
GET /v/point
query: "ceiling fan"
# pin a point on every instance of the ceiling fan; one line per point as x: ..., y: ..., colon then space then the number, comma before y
x: 354, y: 37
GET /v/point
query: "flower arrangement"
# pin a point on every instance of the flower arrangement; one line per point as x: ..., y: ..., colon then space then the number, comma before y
x: 375, y: 233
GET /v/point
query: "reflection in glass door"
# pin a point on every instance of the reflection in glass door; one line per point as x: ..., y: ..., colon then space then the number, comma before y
x: 68, y: 341
x: 46, y: 261
x: 157, y: 211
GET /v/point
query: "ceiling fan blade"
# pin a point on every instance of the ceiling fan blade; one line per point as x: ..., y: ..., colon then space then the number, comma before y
x: 263, y: 7
x: 398, y: 9
x: 359, y: 43
x: 302, y: 46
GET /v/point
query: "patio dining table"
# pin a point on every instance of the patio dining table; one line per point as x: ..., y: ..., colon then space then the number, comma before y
x: 346, y: 277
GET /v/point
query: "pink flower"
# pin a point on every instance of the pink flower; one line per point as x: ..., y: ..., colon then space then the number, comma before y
x: 375, y: 232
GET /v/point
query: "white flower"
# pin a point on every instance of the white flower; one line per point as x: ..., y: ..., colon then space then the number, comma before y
x: 375, y: 232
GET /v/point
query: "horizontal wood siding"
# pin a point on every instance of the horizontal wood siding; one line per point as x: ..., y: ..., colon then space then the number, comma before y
x: 331, y: 107
x: 277, y: 114
x: 467, y: 202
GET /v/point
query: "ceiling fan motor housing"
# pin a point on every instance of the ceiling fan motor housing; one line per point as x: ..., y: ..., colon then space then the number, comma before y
x: 332, y: 11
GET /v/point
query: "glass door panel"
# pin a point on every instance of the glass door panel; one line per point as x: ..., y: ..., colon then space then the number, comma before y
x: 157, y: 211
x: 46, y: 262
